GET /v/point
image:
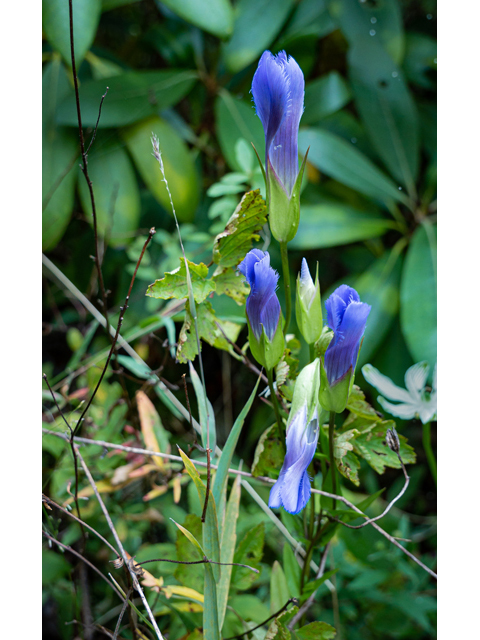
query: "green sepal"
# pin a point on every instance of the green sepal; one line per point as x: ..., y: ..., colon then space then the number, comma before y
x: 335, y: 397
x: 267, y: 353
x: 309, y: 315
x: 306, y: 389
x: 283, y: 210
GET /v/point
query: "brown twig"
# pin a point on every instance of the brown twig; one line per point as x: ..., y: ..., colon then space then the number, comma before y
x: 131, y: 571
x: 122, y: 612
x: 94, y: 134
x: 167, y: 456
x: 204, y: 561
x: 274, y: 615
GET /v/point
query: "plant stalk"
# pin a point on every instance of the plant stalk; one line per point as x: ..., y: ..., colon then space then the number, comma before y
x: 427, y: 445
x: 276, y: 406
x: 286, y: 281
x: 331, y: 430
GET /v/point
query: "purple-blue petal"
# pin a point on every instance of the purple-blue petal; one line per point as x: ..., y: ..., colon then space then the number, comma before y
x: 263, y: 307
x: 342, y: 352
x: 305, y: 277
x: 270, y: 90
x: 292, y: 489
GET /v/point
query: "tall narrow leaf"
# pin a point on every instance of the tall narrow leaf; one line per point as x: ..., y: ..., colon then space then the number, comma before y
x: 206, y: 415
x: 227, y: 550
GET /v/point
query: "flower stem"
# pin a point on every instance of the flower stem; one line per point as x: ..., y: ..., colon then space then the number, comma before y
x: 427, y: 445
x: 286, y: 280
x: 311, y: 349
x: 331, y: 430
x: 276, y: 406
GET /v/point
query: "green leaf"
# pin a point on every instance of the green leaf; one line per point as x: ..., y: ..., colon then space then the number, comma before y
x: 189, y: 575
x: 205, y: 412
x: 113, y: 4
x: 418, y: 295
x: 249, y: 551
x: 210, y: 529
x: 180, y: 170
x: 231, y: 283
x: 292, y: 571
x: 220, y: 483
x: 56, y: 24
x: 325, y: 96
x: 257, y: 23
x: 210, y: 612
x: 115, y: 186
x: 310, y: 587
x: 269, y: 454
x: 231, y: 246
x: 333, y: 224
x: 341, y: 161
x: 316, y: 631
x: 132, y: 96
x: 234, y: 120
x: 208, y: 330
x: 174, y: 283
x: 359, y: 406
x: 279, y: 593
x: 227, y: 548
x: 378, y: 286
x: 347, y: 463
x: 420, y: 59
x: 214, y: 16
x: 371, y: 446
x: 311, y: 18
x: 250, y: 607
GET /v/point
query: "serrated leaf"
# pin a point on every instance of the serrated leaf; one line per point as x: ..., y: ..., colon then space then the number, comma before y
x: 346, y: 461
x: 359, y: 406
x: 231, y: 246
x: 269, y: 453
x: 371, y: 446
x: 208, y: 331
x: 249, y: 551
x: 231, y: 283
x: 174, y: 283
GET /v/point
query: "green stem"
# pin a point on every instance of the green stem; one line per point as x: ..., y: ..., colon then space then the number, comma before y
x: 331, y: 430
x: 311, y: 348
x: 276, y: 406
x: 427, y: 445
x: 286, y: 280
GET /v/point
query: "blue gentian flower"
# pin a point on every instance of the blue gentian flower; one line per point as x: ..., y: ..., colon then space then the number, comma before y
x: 263, y: 307
x: 292, y: 489
x: 278, y: 90
x: 347, y: 316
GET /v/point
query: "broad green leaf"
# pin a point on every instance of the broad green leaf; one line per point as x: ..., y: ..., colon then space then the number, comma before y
x: 174, y: 283
x: 56, y: 24
x: 378, y: 286
x: 420, y: 59
x: 371, y: 446
x: 379, y: 22
x: 210, y: 529
x: 189, y: 575
x: 205, y: 412
x: 220, y: 483
x: 234, y: 120
x: 210, y: 612
x: 250, y: 607
x: 227, y: 548
x: 279, y: 593
x: 269, y: 454
x: 292, y: 571
x: 311, y: 18
x: 249, y: 551
x: 325, y: 96
x: 180, y: 170
x: 341, y: 161
x: 231, y: 246
x: 232, y: 283
x: 113, y: 4
x: 316, y: 631
x: 257, y: 22
x: 214, y: 16
x: 209, y: 331
x: 310, y: 587
x: 115, y: 187
x: 418, y: 295
x: 333, y: 224
x: 132, y: 96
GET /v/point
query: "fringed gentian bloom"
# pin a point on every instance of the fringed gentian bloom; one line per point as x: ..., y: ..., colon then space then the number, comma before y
x: 292, y: 489
x: 278, y: 90
x: 263, y: 307
x: 347, y: 316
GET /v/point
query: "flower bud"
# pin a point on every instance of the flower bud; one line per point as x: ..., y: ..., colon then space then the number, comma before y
x: 308, y: 305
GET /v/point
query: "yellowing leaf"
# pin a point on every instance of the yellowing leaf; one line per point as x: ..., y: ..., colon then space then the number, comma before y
x: 149, y: 420
x: 186, y: 592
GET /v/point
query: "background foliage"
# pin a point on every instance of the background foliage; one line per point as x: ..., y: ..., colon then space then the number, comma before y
x: 183, y: 71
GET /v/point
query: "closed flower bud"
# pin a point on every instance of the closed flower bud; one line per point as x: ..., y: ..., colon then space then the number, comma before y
x: 393, y: 440
x: 308, y: 305
x: 263, y: 309
x: 347, y: 317
x: 278, y: 90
